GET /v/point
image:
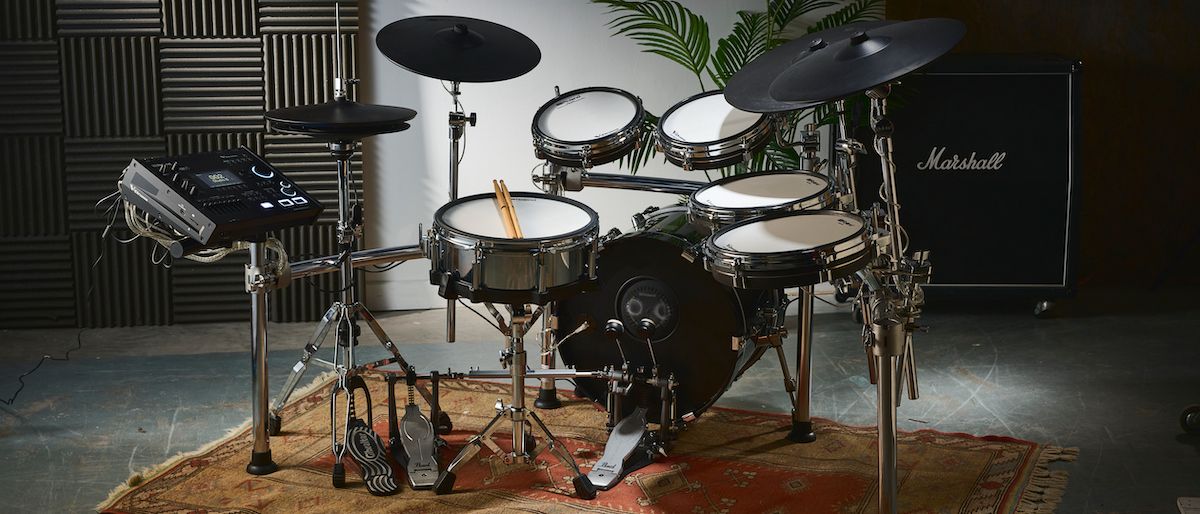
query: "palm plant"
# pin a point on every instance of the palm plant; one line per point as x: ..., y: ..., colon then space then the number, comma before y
x: 669, y: 29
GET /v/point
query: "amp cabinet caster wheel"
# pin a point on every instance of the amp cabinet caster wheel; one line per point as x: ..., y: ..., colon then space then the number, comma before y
x: 1189, y: 420
x: 1044, y: 309
x: 274, y: 424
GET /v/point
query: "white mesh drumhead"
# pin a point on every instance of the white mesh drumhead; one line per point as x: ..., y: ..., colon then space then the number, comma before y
x: 540, y: 218
x: 763, y: 190
x: 586, y: 116
x: 801, y: 231
x: 708, y: 118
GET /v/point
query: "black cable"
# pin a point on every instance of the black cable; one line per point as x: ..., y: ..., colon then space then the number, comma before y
x: 477, y: 313
x: 45, y: 357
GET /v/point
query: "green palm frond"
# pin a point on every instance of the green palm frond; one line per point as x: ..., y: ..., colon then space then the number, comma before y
x: 746, y: 41
x: 665, y: 28
x: 645, y: 149
x: 859, y: 10
x: 784, y: 12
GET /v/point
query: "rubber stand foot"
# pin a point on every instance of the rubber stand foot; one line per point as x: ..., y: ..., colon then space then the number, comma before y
x: 584, y: 488
x: 547, y: 399
x: 802, y: 432
x: 261, y: 464
x: 444, y: 484
x: 339, y: 475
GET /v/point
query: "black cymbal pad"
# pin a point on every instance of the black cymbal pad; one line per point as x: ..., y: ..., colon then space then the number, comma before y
x: 866, y: 59
x: 458, y: 49
x: 748, y: 89
x: 340, y: 120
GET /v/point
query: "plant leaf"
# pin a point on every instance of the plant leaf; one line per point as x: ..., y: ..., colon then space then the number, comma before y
x: 859, y: 10
x: 745, y: 42
x: 663, y: 27
x: 633, y: 161
x: 784, y: 12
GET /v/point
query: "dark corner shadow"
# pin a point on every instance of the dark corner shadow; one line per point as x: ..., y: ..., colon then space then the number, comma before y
x: 1088, y: 302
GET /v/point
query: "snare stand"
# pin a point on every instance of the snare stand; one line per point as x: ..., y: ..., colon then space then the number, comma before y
x: 523, y: 445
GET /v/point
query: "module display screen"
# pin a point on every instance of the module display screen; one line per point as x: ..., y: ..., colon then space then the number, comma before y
x: 215, y: 179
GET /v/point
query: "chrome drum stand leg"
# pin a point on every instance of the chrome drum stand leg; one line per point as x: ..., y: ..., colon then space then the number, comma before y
x: 257, y: 284
x: 888, y: 350
x: 802, y: 429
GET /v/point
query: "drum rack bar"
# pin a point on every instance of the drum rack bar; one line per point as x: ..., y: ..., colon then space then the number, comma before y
x: 359, y: 259
x: 636, y: 183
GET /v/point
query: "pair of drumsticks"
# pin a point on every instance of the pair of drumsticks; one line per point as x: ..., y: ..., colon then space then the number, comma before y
x: 508, y: 214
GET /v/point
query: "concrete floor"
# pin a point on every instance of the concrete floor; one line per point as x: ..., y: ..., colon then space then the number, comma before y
x: 1109, y: 375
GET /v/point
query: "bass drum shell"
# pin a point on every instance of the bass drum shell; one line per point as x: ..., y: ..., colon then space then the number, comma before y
x: 697, y: 318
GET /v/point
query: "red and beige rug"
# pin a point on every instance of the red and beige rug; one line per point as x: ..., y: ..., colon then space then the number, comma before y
x: 728, y: 461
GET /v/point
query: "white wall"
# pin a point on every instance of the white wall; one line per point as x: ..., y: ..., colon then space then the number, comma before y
x: 407, y: 172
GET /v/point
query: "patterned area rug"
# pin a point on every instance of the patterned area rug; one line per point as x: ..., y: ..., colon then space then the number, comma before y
x: 728, y: 461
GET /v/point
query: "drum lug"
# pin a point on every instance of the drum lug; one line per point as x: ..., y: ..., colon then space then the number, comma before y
x: 475, y: 273
x: 586, y: 160
x: 541, y: 276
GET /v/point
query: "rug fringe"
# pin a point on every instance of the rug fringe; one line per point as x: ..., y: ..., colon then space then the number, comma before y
x: 1045, y: 489
x: 150, y: 472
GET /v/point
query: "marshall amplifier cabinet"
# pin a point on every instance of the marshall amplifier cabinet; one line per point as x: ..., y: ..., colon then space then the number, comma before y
x: 987, y: 171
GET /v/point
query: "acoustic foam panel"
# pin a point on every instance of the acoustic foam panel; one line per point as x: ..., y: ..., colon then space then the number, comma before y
x: 31, y: 91
x: 110, y: 86
x: 119, y: 284
x: 93, y: 166
x: 306, y: 16
x: 33, y: 199
x: 26, y: 19
x: 108, y: 17
x: 211, y: 85
x: 209, y: 18
x: 37, y: 286
x: 299, y: 68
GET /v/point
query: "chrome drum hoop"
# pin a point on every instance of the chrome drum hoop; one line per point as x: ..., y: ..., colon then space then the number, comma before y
x: 512, y: 271
x: 716, y: 218
x: 589, y: 153
x: 824, y: 263
x: 720, y: 153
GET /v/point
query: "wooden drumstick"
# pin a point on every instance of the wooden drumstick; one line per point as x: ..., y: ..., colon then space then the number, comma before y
x: 503, y: 208
x: 512, y: 211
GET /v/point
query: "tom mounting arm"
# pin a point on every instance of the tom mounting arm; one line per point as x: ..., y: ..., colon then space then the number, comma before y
x: 553, y: 179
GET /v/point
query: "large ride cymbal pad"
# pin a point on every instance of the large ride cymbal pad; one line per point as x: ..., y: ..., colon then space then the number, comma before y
x: 458, y: 49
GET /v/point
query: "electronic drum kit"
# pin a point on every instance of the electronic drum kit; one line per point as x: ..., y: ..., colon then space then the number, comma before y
x: 654, y: 324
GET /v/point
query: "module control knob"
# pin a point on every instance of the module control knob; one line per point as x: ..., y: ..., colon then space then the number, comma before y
x: 267, y: 173
x: 286, y: 188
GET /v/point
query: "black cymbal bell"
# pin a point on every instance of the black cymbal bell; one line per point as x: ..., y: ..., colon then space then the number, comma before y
x: 340, y: 120
x: 748, y: 89
x: 458, y: 49
x: 866, y: 59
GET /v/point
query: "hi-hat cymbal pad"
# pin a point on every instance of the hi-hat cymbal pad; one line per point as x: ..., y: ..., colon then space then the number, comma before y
x: 340, y: 120
x: 458, y: 49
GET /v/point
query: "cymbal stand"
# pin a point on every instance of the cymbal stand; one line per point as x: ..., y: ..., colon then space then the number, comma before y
x: 891, y: 310
x: 523, y: 451
x: 849, y: 150
x: 458, y: 129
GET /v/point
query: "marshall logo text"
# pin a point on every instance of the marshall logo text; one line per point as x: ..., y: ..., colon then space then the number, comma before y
x: 954, y: 162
